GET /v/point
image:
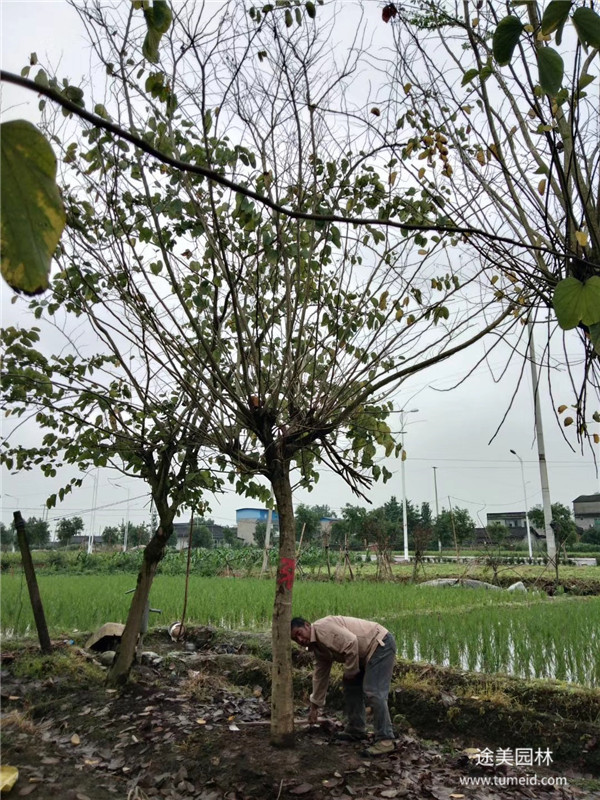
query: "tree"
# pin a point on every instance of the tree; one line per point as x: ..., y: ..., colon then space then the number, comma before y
x: 112, y: 535
x: 350, y: 529
x: 563, y: 524
x: 37, y: 530
x: 230, y: 537
x: 508, y: 136
x: 256, y: 346
x: 201, y: 535
x: 591, y: 536
x: 308, y: 522
x: 379, y: 530
x: 7, y: 536
x: 498, y: 533
x: 67, y: 528
x: 454, y: 527
x: 260, y: 533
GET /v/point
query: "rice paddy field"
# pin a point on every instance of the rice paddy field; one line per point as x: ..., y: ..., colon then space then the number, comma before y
x: 526, y: 635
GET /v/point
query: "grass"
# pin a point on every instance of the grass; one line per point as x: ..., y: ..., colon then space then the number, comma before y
x: 528, y: 635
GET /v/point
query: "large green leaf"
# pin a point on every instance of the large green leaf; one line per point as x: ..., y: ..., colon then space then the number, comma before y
x: 587, y: 25
x: 551, y: 70
x: 33, y: 216
x: 555, y: 16
x: 576, y: 302
x: 506, y: 37
x: 158, y: 19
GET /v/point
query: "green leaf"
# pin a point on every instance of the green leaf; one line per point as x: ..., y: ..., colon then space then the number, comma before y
x: 158, y: 19
x: 288, y: 18
x: 555, y: 16
x: 311, y: 10
x: 33, y: 216
x: 585, y: 80
x: 587, y: 25
x: 576, y: 302
x: 551, y: 69
x: 468, y: 76
x: 506, y: 37
x: 595, y: 337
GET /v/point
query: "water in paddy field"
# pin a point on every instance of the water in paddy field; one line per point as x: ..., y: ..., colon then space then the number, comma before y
x: 514, y: 656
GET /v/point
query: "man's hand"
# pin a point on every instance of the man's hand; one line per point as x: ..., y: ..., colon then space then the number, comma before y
x: 313, y: 714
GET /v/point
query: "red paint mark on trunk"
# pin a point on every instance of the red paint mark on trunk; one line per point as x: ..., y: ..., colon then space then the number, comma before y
x: 287, y: 569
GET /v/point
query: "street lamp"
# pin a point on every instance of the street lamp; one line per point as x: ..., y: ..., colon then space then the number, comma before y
x: 404, y: 520
x: 525, y: 496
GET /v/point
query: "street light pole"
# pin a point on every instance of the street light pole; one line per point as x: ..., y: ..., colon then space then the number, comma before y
x: 525, y: 496
x: 437, y: 510
x: 404, y: 519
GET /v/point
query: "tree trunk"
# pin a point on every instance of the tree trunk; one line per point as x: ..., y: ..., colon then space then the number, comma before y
x: 32, y: 585
x: 155, y: 550
x: 282, y: 693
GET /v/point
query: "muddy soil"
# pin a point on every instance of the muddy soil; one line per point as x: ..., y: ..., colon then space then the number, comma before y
x: 183, y: 732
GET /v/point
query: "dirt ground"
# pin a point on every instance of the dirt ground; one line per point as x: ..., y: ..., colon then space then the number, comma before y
x: 180, y: 732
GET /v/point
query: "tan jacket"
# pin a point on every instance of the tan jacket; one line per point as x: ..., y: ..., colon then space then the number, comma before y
x: 348, y: 640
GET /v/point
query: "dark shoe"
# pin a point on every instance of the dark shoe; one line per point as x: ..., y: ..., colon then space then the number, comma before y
x: 351, y: 736
x: 381, y: 748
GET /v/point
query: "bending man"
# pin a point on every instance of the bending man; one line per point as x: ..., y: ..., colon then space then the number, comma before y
x: 368, y: 652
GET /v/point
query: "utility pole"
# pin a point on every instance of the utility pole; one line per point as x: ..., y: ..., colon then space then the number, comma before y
x: 404, y: 516
x: 550, y: 540
x: 437, y: 510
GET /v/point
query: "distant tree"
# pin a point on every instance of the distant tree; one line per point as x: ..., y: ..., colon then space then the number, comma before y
x: 591, y: 536
x: 7, y: 535
x: 497, y: 533
x: 38, y: 532
x: 379, y: 530
x: 67, y: 528
x: 260, y: 532
x: 309, y: 519
x: 201, y: 535
x: 393, y: 510
x: 112, y: 535
x: 563, y: 523
x: 137, y: 534
x: 350, y: 528
x: 230, y: 537
x: 426, y: 517
x: 456, y: 522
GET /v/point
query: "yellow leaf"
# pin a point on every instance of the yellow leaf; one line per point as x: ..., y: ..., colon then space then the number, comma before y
x: 422, y: 252
x: 542, y: 186
x: 421, y: 172
x: 392, y: 178
x: 75, y: 739
x: 495, y: 279
x: 567, y: 421
x: 407, y: 87
x: 582, y: 238
x: 475, y: 23
x: 481, y: 157
x: 404, y: 455
x: 8, y: 777
x: 399, y: 314
x: 201, y: 721
x: 560, y: 409
x: 596, y: 438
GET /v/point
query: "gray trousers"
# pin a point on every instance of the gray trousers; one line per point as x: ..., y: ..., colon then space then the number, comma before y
x: 372, y: 687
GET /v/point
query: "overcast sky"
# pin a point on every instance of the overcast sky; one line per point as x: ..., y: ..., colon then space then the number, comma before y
x: 451, y: 430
